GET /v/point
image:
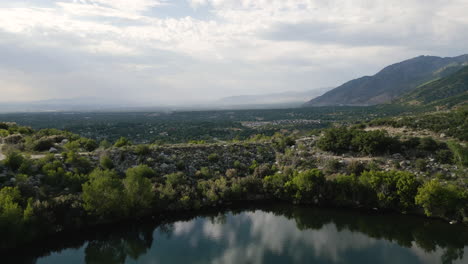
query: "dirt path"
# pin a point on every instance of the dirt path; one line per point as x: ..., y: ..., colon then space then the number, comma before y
x: 2, y: 157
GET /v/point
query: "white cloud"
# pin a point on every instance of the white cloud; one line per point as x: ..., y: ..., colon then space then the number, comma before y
x: 244, y: 45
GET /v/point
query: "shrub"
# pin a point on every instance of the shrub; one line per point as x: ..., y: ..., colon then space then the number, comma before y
x: 106, y: 163
x: 142, y: 150
x: 138, y: 189
x: 14, y: 160
x: 332, y: 166
x: 103, y: 195
x: 441, y: 200
x: 393, y: 189
x: 121, y: 142
x: 355, y: 167
x: 421, y: 164
x: 43, y: 144
x: 213, y: 157
x: 444, y: 156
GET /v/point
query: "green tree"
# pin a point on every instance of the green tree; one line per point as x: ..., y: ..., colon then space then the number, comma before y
x: 106, y: 162
x: 14, y: 160
x: 11, y: 213
x: 438, y: 199
x: 103, y: 194
x: 138, y: 188
x: 121, y: 142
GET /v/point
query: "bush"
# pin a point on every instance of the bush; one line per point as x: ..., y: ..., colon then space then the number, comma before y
x: 103, y: 195
x: 421, y: 164
x: 121, y: 142
x: 142, y: 150
x: 444, y: 156
x: 341, y: 140
x: 307, y: 184
x: 213, y: 157
x: 460, y: 153
x: 393, y: 189
x: 43, y: 144
x: 441, y: 200
x: 332, y: 166
x: 355, y: 167
x: 106, y: 162
x: 138, y: 189
x: 14, y: 160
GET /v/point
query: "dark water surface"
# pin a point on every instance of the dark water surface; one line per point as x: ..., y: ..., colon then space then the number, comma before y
x: 280, y: 234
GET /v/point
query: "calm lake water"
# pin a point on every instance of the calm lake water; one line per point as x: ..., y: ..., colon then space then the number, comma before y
x: 281, y: 234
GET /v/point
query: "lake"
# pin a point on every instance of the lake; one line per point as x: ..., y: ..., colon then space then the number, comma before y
x: 273, y: 234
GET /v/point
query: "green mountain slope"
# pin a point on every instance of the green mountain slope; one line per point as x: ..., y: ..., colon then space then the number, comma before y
x: 447, y: 91
x: 391, y: 82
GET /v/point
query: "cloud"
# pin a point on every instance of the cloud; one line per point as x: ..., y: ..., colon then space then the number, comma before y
x: 208, y: 48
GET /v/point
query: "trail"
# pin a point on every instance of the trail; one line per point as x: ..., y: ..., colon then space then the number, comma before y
x: 2, y: 157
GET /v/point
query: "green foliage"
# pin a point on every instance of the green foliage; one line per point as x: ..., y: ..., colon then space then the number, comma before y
x: 43, y: 144
x: 421, y: 164
x: 14, y: 160
x: 307, y: 185
x: 263, y: 170
x: 460, y: 153
x: 213, y: 157
x: 445, y: 200
x: 452, y: 123
x: 80, y: 164
x: 341, y: 140
x: 138, y: 189
x: 105, y: 144
x: 444, y: 156
x: 355, y: 167
x: 106, y: 162
x: 142, y: 150
x: 141, y: 171
x: 275, y: 185
x: 122, y: 142
x: 336, y: 140
x: 393, y: 189
x: 175, y: 179
x: 103, y: 194
x: 332, y: 166
x: 427, y: 144
x: 11, y: 213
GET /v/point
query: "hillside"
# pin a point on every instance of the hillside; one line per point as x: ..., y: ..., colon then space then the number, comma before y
x: 447, y: 91
x: 391, y: 82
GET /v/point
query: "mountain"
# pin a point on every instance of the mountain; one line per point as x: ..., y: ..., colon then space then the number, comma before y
x: 391, y: 82
x: 273, y: 98
x: 450, y: 90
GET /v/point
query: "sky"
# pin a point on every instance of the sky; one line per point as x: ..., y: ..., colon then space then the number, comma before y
x: 189, y: 51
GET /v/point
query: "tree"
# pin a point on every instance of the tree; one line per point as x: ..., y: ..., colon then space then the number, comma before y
x: 121, y: 142
x: 138, y: 188
x: 9, y: 207
x: 394, y: 189
x: 440, y: 200
x: 14, y: 160
x: 106, y: 163
x: 103, y: 194
x: 307, y: 184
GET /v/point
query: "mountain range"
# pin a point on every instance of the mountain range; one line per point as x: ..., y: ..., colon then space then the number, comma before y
x: 391, y: 82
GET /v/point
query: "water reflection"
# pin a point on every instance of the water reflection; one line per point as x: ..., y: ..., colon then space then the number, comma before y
x: 270, y: 235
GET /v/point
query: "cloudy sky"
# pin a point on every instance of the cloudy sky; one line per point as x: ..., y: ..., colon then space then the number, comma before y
x: 173, y: 51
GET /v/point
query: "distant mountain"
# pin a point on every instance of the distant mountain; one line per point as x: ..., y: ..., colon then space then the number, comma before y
x: 289, y: 97
x: 447, y: 91
x: 391, y: 82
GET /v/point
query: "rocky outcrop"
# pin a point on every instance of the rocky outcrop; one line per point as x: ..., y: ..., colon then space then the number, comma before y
x: 191, y: 158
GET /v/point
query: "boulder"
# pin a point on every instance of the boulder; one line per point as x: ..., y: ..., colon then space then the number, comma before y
x: 53, y: 150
